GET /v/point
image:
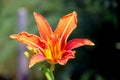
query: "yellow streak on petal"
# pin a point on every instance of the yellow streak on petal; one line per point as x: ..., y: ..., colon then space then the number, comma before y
x: 72, y: 17
x: 47, y: 53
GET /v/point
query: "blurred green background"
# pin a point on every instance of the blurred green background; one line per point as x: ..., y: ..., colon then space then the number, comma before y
x: 97, y: 21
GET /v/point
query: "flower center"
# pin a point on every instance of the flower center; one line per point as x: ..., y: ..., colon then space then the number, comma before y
x: 54, y: 51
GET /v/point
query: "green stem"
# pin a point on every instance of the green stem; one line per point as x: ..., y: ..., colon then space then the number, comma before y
x: 48, y: 73
x: 52, y: 67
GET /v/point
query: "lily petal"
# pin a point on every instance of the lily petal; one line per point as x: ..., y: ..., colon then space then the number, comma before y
x: 30, y: 40
x: 74, y: 43
x: 66, y: 25
x: 43, y: 26
x: 66, y: 56
x: 35, y: 59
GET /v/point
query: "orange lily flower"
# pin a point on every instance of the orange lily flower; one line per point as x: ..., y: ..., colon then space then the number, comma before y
x: 52, y: 46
